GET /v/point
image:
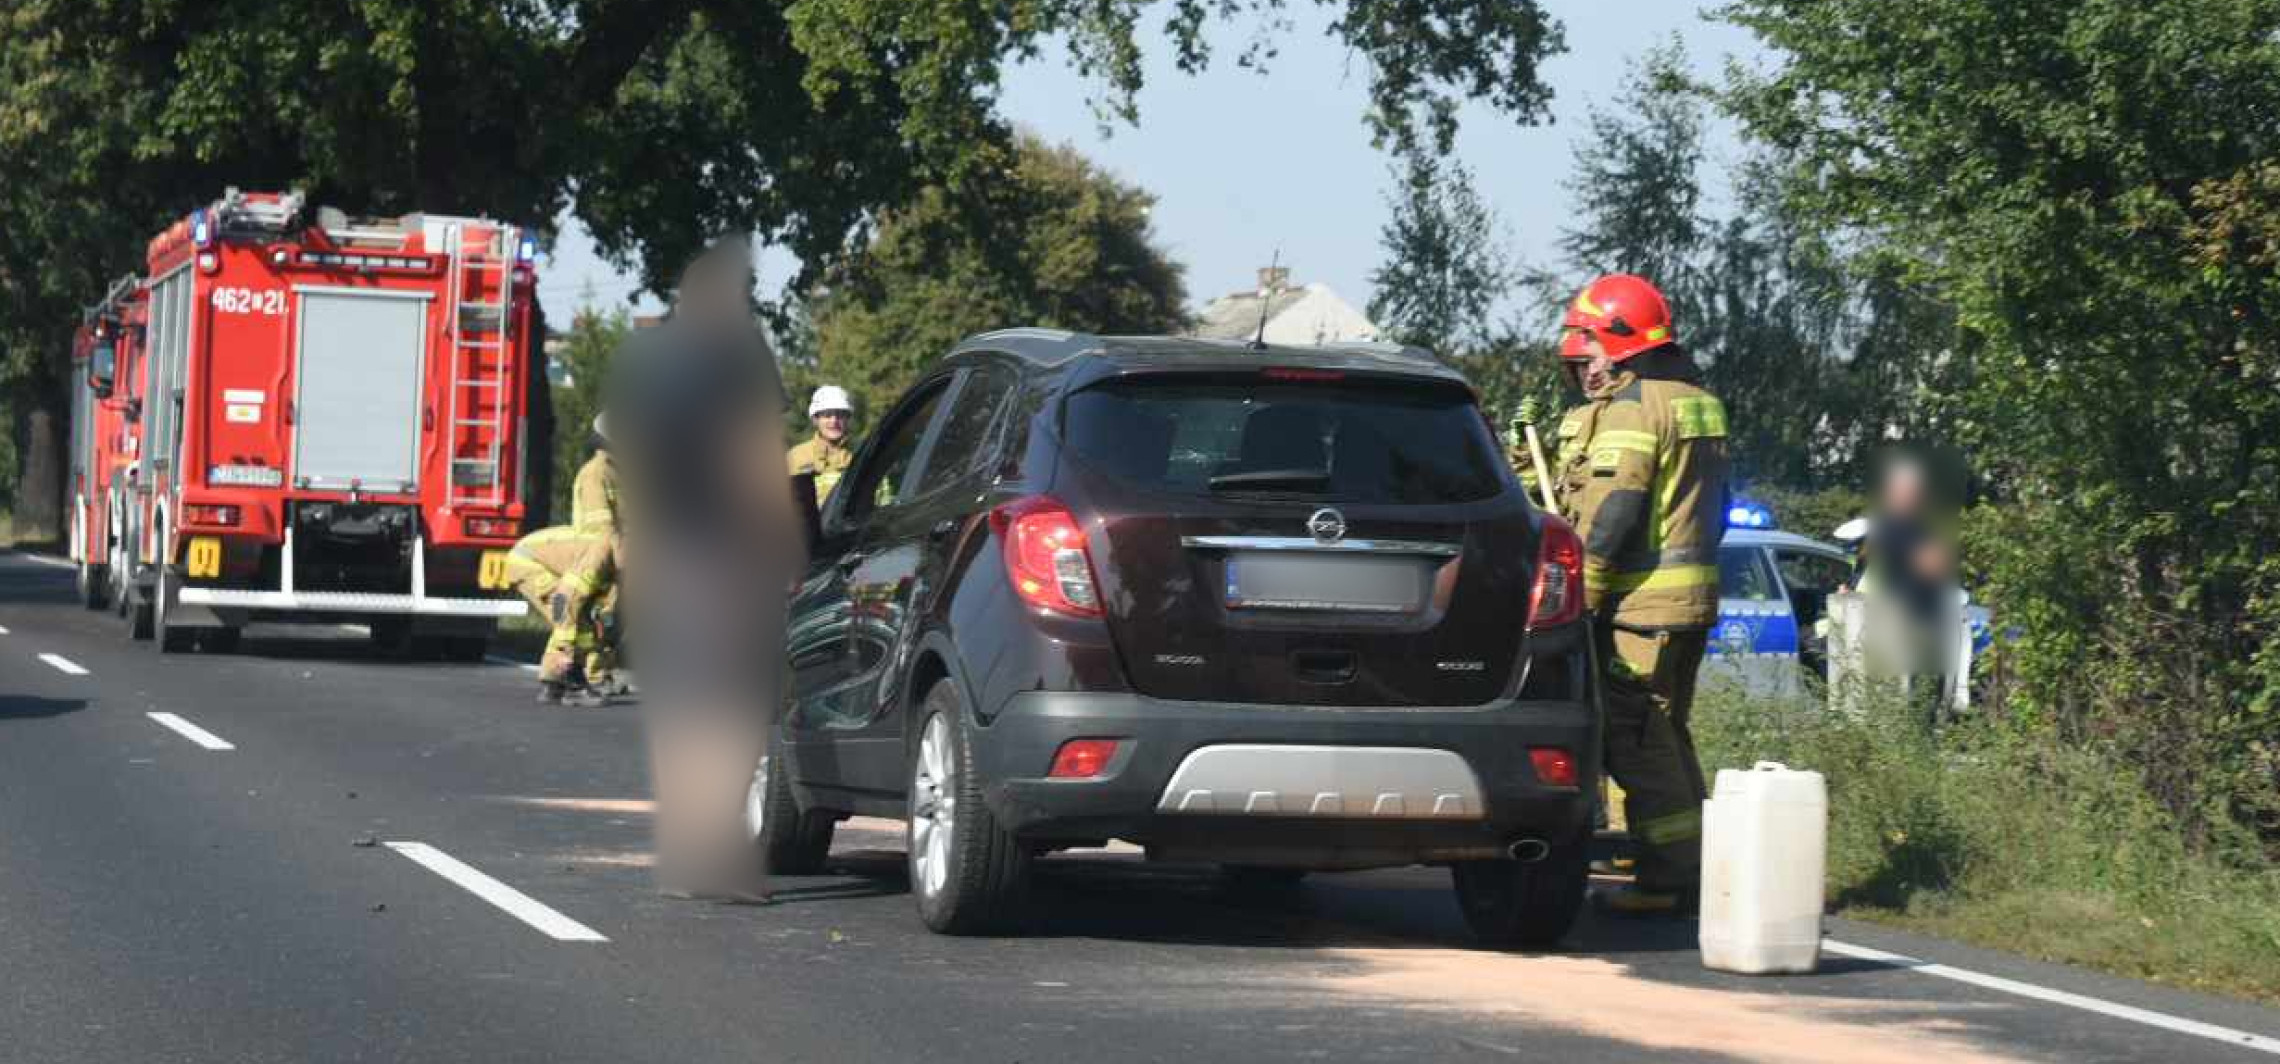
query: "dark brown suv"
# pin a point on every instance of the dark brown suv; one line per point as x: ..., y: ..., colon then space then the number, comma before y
x: 1282, y: 609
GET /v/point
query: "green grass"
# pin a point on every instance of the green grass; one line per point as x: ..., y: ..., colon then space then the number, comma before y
x: 2004, y: 837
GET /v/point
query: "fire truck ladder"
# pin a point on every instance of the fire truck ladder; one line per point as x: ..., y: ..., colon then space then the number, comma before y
x: 482, y: 284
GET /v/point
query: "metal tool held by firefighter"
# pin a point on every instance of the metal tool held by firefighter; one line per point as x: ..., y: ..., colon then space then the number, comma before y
x: 1543, y: 464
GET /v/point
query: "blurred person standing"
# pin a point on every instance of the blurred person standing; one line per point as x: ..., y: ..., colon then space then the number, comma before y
x: 696, y: 412
x: 1646, y: 490
x: 829, y: 452
x: 1910, y: 581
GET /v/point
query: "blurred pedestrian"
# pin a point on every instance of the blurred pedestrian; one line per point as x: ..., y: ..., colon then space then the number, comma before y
x: 829, y: 452
x: 696, y: 418
x: 1647, y: 493
x: 1910, y: 581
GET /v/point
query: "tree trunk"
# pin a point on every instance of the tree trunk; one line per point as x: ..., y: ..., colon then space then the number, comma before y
x: 39, y: 484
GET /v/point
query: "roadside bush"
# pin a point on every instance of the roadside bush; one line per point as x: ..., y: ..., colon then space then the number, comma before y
x: 2006, y: 833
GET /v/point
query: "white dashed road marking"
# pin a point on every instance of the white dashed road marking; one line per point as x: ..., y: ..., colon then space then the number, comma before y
x: 63, y: 664
x: 58, y: 563
x: 523, y: 665
x: 3, y: 629
x: 517, y: 904
x: 190, y: 731
x: 2132, y: 1013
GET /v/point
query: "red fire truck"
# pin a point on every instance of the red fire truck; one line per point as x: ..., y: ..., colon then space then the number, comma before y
x: 299, y: 416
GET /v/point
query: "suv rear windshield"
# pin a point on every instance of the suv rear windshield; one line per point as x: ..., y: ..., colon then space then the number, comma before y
x: 1347, y: 441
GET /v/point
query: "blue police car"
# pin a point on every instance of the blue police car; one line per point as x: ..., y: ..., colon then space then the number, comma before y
x: 1772, y: 588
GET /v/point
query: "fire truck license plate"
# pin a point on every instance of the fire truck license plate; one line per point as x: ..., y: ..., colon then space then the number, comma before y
x: 205, y: 557
x: 493, y: 573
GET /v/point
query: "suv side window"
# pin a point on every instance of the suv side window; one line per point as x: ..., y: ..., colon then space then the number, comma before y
x: 884, y: 478
x: 967, y: 438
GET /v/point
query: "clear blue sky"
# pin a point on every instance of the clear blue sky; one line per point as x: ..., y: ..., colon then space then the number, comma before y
x: 1242, y: 163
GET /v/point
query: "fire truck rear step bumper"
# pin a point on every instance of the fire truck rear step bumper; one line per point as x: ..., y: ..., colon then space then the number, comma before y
x: 351, y: 602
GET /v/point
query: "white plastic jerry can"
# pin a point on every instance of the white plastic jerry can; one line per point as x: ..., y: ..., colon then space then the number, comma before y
x: 1764, y: 852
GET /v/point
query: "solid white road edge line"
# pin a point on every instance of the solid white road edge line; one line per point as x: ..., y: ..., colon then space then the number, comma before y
x: 2148, y: 1017
x: 59, y: 563
x: 192, y: 732
x: 523, y: 665
x: 519, y: 905
x: 63, y: 664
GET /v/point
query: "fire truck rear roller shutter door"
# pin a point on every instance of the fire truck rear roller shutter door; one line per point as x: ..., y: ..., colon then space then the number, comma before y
x: 360, y: 361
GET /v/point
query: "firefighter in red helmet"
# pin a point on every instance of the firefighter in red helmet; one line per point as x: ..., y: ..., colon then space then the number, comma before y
x: 1644, y: 484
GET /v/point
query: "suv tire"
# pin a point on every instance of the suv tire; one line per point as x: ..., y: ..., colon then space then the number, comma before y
x: 969, y: 875
x: 785, y: 840
x: 1526, y: 905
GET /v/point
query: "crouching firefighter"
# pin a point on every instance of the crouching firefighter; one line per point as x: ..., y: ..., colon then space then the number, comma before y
x: 565, y: 573
x: 1647, y: 492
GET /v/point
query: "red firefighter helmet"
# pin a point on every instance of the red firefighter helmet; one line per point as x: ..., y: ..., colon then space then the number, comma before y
x: 1626, y: 313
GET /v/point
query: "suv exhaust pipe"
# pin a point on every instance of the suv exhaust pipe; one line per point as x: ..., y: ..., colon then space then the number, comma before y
x: 1530, y: 851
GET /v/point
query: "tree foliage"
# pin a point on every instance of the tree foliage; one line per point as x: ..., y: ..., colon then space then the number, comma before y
x: 1055, y: 242
x: 658, y: 123
x: 1636, y: 184
x: 583, y: 357
x: 2087, y: 188
x: 1445, y: 265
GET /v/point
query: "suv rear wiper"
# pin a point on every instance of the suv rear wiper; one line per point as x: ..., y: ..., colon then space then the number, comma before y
x: 1294, y: 479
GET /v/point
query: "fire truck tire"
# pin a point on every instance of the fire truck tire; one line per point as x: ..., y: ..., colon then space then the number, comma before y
x: 171, y: 638
x: 391, y: 636
x: 465, y: 649
x: 94, y: 585
x: 219, y: 640
x: 140, y: 622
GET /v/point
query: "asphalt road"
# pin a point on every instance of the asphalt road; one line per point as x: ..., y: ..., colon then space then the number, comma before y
x: 162, y: 900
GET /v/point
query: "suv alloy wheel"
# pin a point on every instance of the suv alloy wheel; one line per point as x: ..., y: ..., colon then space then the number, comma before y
x: 785, y: 840
x: 968, y: 874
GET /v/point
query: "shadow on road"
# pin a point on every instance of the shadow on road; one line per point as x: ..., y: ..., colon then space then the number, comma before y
x: 27, y: 707
x: 31, y: 583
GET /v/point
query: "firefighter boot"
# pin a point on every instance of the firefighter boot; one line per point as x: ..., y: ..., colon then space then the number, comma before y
x: 584, y: 698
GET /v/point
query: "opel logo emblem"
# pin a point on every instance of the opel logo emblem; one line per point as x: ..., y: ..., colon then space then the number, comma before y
x: 1327, y: 525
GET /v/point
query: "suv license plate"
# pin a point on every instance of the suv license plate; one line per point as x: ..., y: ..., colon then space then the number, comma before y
x: 1298, y: 581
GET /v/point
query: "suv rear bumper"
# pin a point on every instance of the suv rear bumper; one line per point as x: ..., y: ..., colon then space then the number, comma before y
x: 1282, y: 819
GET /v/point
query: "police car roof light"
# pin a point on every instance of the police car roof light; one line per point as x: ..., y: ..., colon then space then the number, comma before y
x: 1748, y: 515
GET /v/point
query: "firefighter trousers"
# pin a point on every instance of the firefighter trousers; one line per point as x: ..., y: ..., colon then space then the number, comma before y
x: 1649, y: 693
x: 565, y: 600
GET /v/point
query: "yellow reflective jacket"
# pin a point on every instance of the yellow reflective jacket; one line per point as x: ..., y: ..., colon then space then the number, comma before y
x: 828, y: 461
x: 1651, y: 501
x: 594, y: 495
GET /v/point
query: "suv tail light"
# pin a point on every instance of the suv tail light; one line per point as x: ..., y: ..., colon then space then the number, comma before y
x: 1082, y: 759
x: 1045, y: 555
x: 1555, y: 767
x: 1557, y: 597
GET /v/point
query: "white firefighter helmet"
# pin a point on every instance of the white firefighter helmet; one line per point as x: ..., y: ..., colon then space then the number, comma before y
x: 602, y: 426
x: 1853, y: 531
x: 830, y: 397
